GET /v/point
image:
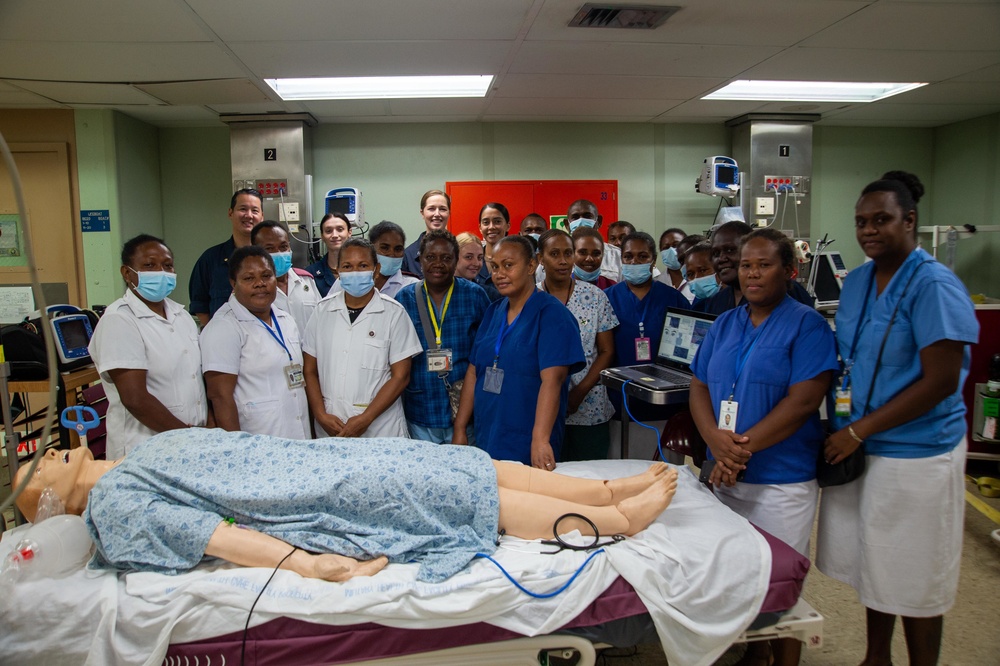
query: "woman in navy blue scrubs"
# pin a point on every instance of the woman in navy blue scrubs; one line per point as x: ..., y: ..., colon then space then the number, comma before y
x: 518, y: 379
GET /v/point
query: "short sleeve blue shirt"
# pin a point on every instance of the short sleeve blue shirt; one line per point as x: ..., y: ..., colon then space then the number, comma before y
x: 792, y: 345
x: 425, y: 400
x: 546, y: 335
x: 651, y: 311
x: 209, y: 287
x: 935, y: 307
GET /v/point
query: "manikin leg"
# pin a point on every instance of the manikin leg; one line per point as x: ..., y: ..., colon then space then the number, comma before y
x: 590, y: 492
x: 531, y: 515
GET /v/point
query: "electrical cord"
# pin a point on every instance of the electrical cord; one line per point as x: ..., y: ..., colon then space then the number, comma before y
x: 659, y: 446
x: 544, y: 595
x: 246, y: 627
x: 50, y: 350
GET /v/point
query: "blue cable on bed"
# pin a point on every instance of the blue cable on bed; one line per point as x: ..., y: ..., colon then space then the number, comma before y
x: 546, y: 595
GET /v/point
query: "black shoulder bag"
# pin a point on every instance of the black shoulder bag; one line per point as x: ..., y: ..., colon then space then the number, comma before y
x: 853, y: 466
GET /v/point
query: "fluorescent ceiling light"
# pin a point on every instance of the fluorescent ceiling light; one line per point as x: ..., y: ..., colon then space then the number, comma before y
x: 381, y: 87
x: 810, y: 91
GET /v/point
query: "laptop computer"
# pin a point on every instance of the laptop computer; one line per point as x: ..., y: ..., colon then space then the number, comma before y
x: 683, y: 331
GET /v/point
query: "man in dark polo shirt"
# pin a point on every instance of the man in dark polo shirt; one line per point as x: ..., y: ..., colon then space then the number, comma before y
x: 209, y: 287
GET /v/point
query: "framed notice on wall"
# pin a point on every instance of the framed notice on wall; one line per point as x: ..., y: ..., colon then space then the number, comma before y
x: 548, y: 198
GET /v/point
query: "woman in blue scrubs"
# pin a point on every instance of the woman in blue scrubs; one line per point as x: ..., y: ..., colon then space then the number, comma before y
x: 759, y: 378
x: 517, y: 384
x: 895, y: 534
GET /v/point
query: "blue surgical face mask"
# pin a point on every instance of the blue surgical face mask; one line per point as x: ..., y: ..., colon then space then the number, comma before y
x: 389, y: 266
x: 581, y: 222
x: 282, y: 262
x: 669, y: 258
x: 535, y: 236
x: 704, y: 287
x: 357, y: 283
x: 684, y: 272
x: 154, y: 286
x: 637, y: 273
x: 587, y: 276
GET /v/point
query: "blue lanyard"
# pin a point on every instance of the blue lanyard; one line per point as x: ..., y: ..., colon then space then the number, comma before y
x: 505, y: 329
x: 746, y: 356
x: 849, y: 362
x: 279, y: 338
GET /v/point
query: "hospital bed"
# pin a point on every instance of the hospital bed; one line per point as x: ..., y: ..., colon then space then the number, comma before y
x: 696, y: 580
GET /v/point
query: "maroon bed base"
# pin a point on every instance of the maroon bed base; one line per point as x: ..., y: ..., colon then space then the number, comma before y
x: 288, y: 642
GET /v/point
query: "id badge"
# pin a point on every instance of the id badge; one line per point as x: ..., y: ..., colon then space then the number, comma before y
x: 728, y: 410
x: 294, y: 376
x: 438, y: 360
x: 642, y: 350
x: 493, y: 381
x: 842, y: 405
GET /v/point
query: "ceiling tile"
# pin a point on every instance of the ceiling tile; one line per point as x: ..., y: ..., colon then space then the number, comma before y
x: 932, y: 114
x: 927, y: 26
x: 579, y: 107
x: 115, y: 63
x: 224, y: 91
x: 171, y: 116
x: 604, y: 58
x: 309, y: 20
x: 835, y: 64
x: 89, y: 93
x: 436, y: 107
x: 276, y: 59
x: 100, y: 21
x: 617, y: 87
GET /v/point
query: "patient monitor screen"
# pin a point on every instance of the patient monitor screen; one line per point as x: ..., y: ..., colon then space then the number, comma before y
x: 74, y: 334
x: 682, y: 335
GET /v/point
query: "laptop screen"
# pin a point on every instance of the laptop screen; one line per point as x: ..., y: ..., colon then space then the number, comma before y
x: 683, y: 332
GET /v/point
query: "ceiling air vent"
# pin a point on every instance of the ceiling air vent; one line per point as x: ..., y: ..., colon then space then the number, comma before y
x: 643, y: 17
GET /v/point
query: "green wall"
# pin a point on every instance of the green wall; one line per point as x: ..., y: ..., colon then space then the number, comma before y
x: 655, y: 166
x: 197, y: 186
x: 966, y: 188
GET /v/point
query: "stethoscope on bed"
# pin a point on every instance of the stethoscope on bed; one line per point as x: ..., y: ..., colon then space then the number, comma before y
x: 562, y: 545
x: 596, y: 547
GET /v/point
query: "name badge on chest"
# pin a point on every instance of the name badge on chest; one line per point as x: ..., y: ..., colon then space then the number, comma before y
x: 728, y: 410
x: 294, y: 376
x: 493, y: 381
x: 842, y: 404
x: 439, y: 360
x: 643, y: 350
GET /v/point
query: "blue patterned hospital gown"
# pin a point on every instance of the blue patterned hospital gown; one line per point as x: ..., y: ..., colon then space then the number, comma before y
x: 408, y: 500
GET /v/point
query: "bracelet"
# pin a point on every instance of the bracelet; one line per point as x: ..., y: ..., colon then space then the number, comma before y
x: 850, y: 430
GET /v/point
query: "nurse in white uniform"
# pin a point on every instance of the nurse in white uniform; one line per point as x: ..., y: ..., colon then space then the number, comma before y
x: 297, y: 293
x: 146, y: 350
x: 358, y: 349
x: 252, y: 355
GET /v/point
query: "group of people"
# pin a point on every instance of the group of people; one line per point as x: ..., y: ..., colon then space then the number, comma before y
x: 499, y: 341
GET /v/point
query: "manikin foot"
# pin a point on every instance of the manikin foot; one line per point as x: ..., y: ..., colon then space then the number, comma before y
x: 644, y: 508
x: 630, y: 486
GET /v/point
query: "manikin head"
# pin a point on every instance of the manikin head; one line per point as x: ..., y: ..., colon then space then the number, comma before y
x: 71, y: 474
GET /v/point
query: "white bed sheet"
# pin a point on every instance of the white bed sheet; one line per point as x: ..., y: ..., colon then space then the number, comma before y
x: 701, y: 570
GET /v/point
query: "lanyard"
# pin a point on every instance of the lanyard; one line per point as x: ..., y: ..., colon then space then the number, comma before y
x: 746, y: 356
x: 279, y: 338
x: 444, y: 311
x: 849, y: 362
x: 642, y: 316
x: 505, y: 329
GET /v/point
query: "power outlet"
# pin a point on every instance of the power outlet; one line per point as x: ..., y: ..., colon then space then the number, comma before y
x: 765, y: 205
x: 289, y: 211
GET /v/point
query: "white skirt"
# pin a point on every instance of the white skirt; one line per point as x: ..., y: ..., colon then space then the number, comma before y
x: 785, y: 510
x: 895, y: 534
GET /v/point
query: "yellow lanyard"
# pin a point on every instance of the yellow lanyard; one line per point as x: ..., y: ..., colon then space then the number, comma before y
x: 444, y: 311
